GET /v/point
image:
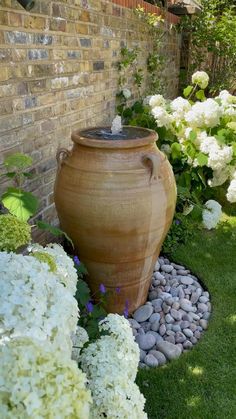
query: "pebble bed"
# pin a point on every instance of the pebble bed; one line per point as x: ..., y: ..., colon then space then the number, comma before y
x: 174, y: 317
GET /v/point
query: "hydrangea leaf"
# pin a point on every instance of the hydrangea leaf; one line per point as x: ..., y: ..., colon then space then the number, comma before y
x: 187, y: 91
x: 83, y: 292
x: 200, y: 95
x: 175, y: 150
x: 192, y: 135
x: 20, y: 203
x: 18, y: 161
x: 55, y: 231
x: 202, y: 159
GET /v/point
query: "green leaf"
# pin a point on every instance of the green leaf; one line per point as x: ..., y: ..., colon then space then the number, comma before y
x: 190, y: 149
x: 175, y: 150
x: 221, y: 136
x: 83, y: 292
x: 187, y: 91
x: 202, y: 159
x: 53, y: 230
x: 11, y: 175
x: 234, y: 149
x: 192, y: 136
x: 20, y: 203
x: 19, y: 161
x: 200, y: 95
x: 138, y: 107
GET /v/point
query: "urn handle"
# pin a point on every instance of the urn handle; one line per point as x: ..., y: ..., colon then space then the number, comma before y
x: 61, y: 156
x: 154, y: 162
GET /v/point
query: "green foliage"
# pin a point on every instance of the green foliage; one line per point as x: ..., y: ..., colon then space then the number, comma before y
x: 213, y: 43
x: 14, y: 233
x: 45, y: 258
x: 55, y: 231
x: 92, y: 307
x: 19, y: 203
x: 181, y: 230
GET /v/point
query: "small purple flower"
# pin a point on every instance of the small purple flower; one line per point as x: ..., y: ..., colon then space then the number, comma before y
x: 118, y: 290
x: 177, y: 222
x: 89, y: 307
x: 102, y: 289
x: 76, y: 260
x: 126, y: 310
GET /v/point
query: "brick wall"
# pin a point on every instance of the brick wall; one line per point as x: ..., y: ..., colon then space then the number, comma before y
x: 58, y: 73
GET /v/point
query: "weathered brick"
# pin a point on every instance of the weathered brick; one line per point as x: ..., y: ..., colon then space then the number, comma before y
x: 81, y: 28
x: 15, y: 19
x: 34, y: 22
x: 17, y: 37
x: 74, y: 54
x: 43, y: 39
x: 38, y: 54
x: 85, y: 42
x: 58, y: 24
x: 98, y: 65
x: 4, y: 74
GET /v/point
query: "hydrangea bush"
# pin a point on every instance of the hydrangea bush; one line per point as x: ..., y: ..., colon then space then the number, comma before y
x: 38, y: 382
x: 111, y: 365
x: 198, y: 135
x: 14, y: 233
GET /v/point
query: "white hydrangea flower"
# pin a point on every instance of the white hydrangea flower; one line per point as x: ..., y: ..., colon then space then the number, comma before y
x: 116, y: 126
x: 219, y: 177
x: 165, y: 148
x: 65, y: 266
x: 156, y: 100
x: 219, y: 157
x: 34, y: 303
x: 79, y: 338
x: 200, y: 78
x: 204, y: 114
x: 211, y: 214
x: 111, y: 365
x: 126, y: 93
x: 231, y: 192
x: 180, y: 106
x: 163, y: 119
x: 40, y: 382
x: 207, y: 143
x: 226, y: 98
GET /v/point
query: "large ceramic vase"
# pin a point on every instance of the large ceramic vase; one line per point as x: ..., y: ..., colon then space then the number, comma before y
x: 115, y: 198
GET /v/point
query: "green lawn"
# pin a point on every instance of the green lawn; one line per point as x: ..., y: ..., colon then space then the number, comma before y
x: 201, y: 384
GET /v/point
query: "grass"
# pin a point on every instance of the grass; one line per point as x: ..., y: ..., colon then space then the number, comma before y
x: 201, y: 384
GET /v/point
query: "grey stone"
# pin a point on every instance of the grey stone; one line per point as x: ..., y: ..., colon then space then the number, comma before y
x: 152, y: 295
x: 146, y: 341
x: 174, y: 292
x: 208, y: 306
x: 187, y: 344
x: 197, y: 334
x: 186, y: 305
x: 202, y: 308
x: 180, y: 346
x: 142, y: 355
x: 156, y: 335
x: 176, y: 328
x: 181, y: 293
x: 186, y: 280
x: 203, y: 323
x: 142, y: 365
x: 188, y: 333
x: 146, y: 326
x: 166, y: 308
x: 157, y: 266
x: 159, y: 356
x: 182, y: 272
x: 193, y: 327
x: 154, y: 317
x: 206, y: 315
x: 162, y: 329
x: 169, y: 301
x: 168, y: 327
x: 158, y: 276
x: 151, y: 361
x: 170, y: 339
x: 193, y: 340
x: 176, y: 314
x: 195, y: 316
x: 134, y: 331
x: 184, y: 324
x: 170, y: 350
x: 176, y: 305
x: 180, y: 337
x: 174, y: 272
x: 203, y: 299
x: 134, y: 324
x: 143, y: 313
x: 169, y: 319
x: 206, y: 294
x: 188, y: 291
x: 176, y: 266
x: 164, y: 295
x: 194, y: 297
x: 155, y: 326
x: 167, y: 268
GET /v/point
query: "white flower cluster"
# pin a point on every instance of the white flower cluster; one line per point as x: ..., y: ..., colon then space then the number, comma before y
x: 231, y: 192
x: 37, y: 382
x: 196, y: 127
x: 211, y: 214
x: 66, y: 271
x: 126, y: 93
x: 33, y: 302
x: 111, y: 365
x: 79, y: 338
x: 116, y: 126
x: 201, y: 79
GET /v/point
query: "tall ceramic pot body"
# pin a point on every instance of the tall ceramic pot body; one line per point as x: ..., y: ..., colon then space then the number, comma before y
x: 116, y: 200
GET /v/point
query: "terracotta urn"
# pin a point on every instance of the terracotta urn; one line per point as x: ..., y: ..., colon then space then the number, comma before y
x: 115, y: 197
